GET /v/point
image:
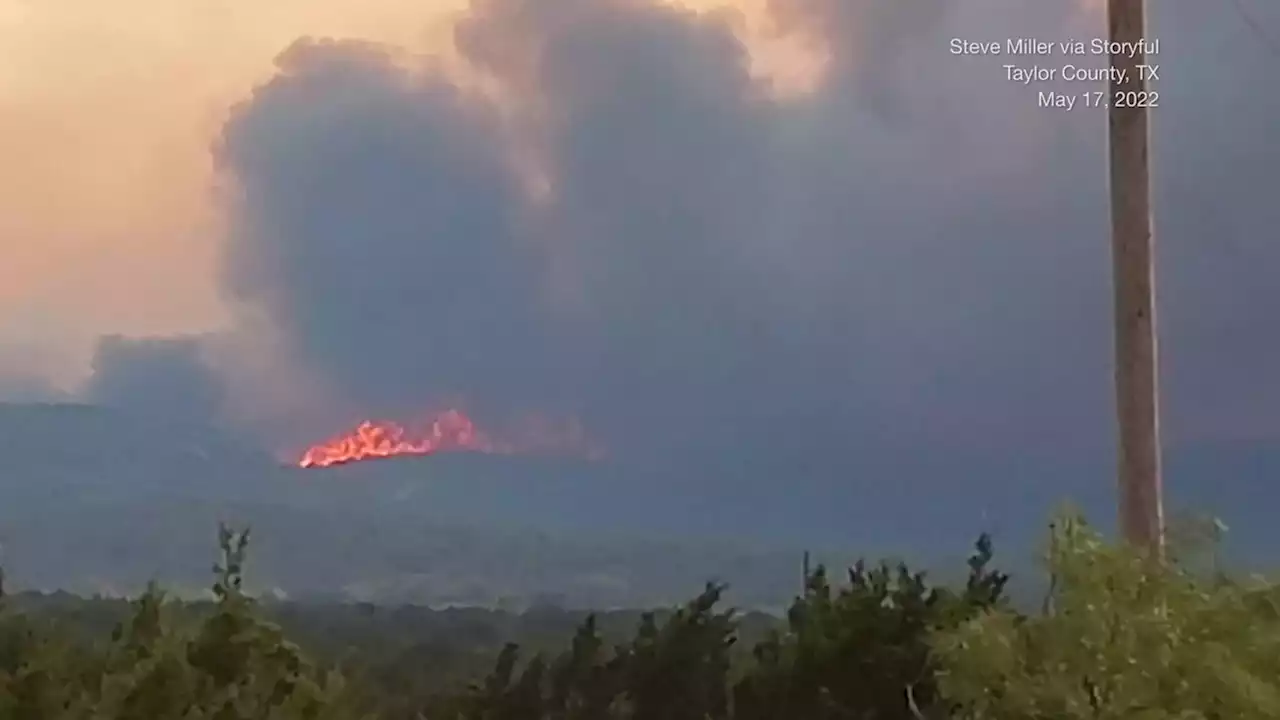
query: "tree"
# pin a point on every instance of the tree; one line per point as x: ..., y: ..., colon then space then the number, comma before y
x: 674, y: 670
x: 230, y: 666
x: 1122, y: 636
x: 862, y: 651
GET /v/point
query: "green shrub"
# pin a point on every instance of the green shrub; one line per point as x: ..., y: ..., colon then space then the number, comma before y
x: 229, y: 666
x: 1122, y: 636
x: 676, y: 670
x: 862, y: 651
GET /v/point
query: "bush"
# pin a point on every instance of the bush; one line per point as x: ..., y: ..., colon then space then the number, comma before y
x: 862, y: 652
x: 230, y: 666
x: 678, y: 670
x: 1122, y: 636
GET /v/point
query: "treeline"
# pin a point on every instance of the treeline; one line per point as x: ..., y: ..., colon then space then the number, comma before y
x: 1118, y: 636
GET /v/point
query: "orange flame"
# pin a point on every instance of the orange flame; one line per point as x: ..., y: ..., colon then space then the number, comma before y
x: 449, y: 431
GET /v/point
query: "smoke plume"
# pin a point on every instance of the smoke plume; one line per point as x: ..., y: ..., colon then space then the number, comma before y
x: 913, y: 249
x: 162, y: 378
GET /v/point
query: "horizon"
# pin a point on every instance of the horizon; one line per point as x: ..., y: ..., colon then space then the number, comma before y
x: 794, y: 266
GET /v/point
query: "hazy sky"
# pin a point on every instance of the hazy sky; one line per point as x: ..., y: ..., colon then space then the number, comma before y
x: 108, y: 212
x: 107, y: 112
x: 599, y: 208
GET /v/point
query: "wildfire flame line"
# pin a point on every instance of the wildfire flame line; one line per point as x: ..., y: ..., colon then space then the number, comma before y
x: 449, y: 431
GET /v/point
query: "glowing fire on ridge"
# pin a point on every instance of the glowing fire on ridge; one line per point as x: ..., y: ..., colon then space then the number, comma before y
x: 448, y: 431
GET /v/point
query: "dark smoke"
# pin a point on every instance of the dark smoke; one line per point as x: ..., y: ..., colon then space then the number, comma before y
x: 912, y: 251
x: 381, y: 228
x: 165, y: 379
x: 27, y: 388
x: 658, y: 145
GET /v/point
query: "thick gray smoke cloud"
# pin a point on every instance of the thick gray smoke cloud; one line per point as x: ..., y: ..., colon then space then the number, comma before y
x: 381, y: 229
x: 163, y: 378
x: 913, y: 250
x: 26, y: 388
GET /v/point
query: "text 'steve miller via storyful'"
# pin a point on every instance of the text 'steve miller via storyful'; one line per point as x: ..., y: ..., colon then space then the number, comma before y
x: 1076, y: 71
x: 1034, y: 46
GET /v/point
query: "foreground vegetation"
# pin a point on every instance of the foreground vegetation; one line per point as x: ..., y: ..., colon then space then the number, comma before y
x: 1118, y: 637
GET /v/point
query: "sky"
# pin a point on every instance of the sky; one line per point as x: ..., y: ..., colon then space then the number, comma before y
x: 729, y: 228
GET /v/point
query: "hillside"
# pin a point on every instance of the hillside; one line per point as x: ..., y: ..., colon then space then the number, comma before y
x: 94, y: 500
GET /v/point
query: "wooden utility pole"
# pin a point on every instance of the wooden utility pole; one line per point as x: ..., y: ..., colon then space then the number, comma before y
x: 1136, y: 376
